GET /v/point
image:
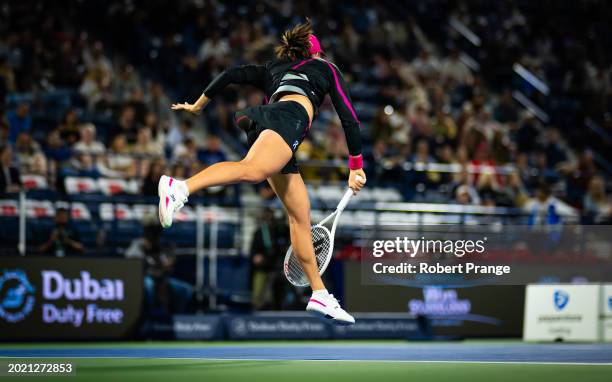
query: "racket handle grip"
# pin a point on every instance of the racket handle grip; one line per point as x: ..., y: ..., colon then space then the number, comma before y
x: 347, y: 197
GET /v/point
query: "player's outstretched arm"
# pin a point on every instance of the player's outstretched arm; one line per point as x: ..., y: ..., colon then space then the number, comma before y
x: 195, y: 108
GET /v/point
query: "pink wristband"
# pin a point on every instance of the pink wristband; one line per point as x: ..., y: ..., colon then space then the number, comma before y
x: 355, y: 162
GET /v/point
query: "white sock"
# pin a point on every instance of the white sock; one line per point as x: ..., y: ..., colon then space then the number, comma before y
x: 183, y: 187
x: 320, y: 292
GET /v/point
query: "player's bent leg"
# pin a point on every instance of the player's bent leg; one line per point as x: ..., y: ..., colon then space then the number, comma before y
x: 268, y: 155
x: 292, y: 192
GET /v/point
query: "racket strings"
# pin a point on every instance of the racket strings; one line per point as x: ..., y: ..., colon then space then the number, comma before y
x: 322, y: 245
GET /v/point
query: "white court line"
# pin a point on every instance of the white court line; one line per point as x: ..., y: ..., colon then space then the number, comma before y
x: 330, y: 360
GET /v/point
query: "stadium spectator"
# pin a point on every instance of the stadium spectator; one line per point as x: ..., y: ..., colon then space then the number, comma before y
x: 212, y: 153
x: 454, y: 72
x: 543, y: 208
x: 186, y: 152
x: 87, y: 143
x: 56, y: 149
x: 514, y: 193
x: 126, y: 124
x: 69, y: 127
x: 178, y: 134
x: 466, y: 195
x: 215, y: 48
x: 7, y: 76
x: 579, y: 175
x: 164, y: 294
x: 63, y: 239
x: 463, y: 191
x: 501, y: 147
x: 127, y: 82
x: 335, y: 146
x: 27, y: 150
x: 421, y: 154
x: 19, y: 120
x: 418, y: 116
x: 179, y: 170
x: 506, y: 111
x: 527, y: 134
x: 82, y: 165
x: 95, y: 88
x: 444, y: 127
x: 268, y: 248
x: 95, y: 59
x: 156, y: 169
x: 118, y: 163
x: 10, y: 180
x: 96, y: 85
x: 425, y: 65
x: 553, y: 149
x: 597, y: 208
x: 383, y: 163
x: 145, y: 145
x: 157, y: 102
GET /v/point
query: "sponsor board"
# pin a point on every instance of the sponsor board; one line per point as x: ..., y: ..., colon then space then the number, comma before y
x: 275, y: 326
x: 69, y: 298
x: 379, y: 326
x: 477, y: 311
x: 606, y: 312
x: 186, y: 327
x: 562, y: 312
x: 300, y: 325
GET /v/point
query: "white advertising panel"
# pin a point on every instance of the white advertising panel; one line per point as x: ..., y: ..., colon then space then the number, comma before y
x: 562, y: 312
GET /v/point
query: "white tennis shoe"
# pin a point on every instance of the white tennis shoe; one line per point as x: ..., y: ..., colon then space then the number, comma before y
x: 326, y: 305
x: 172, y: 197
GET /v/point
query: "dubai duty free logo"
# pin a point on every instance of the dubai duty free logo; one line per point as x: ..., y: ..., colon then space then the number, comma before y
x: 16, y: 295
x: 560, y: 299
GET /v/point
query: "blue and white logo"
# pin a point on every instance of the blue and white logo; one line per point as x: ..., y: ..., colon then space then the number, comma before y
x: 295, y: 145
x: 239, y: 326
x: 610, y: 303
x: 16, y: 295
x: 561, y: 299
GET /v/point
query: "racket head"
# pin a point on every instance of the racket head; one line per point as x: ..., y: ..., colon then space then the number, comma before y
x: 323, y: 247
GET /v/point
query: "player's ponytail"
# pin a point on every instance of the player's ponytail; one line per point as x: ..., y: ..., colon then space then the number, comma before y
x: 295, y: 42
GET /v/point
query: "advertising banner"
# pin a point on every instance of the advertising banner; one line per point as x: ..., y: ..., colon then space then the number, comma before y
x: 69, y: 298
x: 562, y: 312
x: 477, y: 311
x: 276, y: 325
x: 379, y: 326
x: 301, y: 325
x: 186, y: 327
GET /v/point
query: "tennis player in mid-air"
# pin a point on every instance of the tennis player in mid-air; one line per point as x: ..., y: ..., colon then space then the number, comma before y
x: 295, y: 85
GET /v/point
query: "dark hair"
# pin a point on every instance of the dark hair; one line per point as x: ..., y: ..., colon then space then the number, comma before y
x: 295, y: 42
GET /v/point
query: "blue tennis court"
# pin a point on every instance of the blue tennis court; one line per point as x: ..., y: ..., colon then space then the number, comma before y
x: 421, y: 352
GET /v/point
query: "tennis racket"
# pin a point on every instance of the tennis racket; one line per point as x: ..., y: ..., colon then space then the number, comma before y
x: 323, y: 243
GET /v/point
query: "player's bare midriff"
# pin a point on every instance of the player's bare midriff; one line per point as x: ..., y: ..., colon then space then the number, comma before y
x: 302, y: 100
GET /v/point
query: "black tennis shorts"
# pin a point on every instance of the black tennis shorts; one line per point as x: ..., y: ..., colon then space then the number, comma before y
x: 289, y: 119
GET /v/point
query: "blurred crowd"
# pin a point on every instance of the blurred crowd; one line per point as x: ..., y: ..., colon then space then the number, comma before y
x: 439, y: 118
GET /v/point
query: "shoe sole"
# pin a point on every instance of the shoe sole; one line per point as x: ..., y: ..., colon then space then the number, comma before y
x: 329, y: 317
x: 162, y: 197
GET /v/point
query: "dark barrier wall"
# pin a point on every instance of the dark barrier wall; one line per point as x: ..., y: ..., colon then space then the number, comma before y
x: 69, y: 298
x: 478, y: 311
